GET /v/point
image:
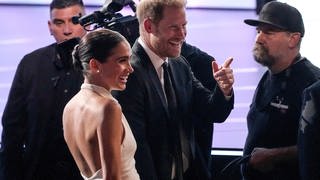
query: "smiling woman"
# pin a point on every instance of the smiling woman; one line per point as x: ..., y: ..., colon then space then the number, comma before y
x: 97, y: 133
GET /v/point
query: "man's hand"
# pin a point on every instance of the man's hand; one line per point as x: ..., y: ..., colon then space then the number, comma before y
x: 265, y: 159
x: 262, y: 159
x: 224, y: 76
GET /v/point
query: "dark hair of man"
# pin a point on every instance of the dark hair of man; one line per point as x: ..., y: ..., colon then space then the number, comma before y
x: 60, y: 4
x: 95, y: 45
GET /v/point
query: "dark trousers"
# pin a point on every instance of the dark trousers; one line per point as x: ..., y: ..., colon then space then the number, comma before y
x: 196, y: 170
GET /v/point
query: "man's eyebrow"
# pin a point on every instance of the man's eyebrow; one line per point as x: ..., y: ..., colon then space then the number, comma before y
x: 57, y: 20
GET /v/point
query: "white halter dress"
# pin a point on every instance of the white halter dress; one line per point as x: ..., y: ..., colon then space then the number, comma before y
x: 128, y: 146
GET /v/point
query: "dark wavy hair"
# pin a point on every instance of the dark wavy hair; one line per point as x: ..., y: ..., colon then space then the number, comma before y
x: 95, y: 45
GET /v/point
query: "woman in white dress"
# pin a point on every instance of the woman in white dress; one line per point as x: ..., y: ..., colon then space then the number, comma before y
x: 95, y: 129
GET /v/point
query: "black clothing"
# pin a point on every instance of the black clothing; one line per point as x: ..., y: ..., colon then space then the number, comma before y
x: 274, y: 115
x: 200, y: 63
x: 33, y: 146
x: 309, y: 134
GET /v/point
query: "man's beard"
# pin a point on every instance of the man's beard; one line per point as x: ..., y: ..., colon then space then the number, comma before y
x: 261, y: 55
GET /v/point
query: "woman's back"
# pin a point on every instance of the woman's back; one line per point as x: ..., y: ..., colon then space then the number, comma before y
x: 83, y: 116
x: 84, y: 119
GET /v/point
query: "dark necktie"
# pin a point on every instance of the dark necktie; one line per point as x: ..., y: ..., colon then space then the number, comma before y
x: 168, y: 88
x: 173, y: 124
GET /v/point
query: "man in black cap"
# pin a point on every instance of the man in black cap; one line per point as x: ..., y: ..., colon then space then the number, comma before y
x: 275, y: 110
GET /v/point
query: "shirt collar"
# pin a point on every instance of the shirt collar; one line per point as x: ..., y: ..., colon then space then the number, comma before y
x: 155, y: 59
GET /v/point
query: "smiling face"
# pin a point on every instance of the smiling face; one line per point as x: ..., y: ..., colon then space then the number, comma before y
x: 166, y: 36
x: 61, y: 26
x: 113, y: 73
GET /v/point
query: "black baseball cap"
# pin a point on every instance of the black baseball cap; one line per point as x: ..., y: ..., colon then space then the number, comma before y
x: 280, y: 15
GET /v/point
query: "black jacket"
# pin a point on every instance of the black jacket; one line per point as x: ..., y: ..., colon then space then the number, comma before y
x: 309, y: 134
x: 32, y: 137
x: 200, y: 63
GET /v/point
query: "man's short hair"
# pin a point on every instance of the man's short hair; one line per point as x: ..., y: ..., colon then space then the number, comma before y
x: 60, y: 4
x: 153, y: 9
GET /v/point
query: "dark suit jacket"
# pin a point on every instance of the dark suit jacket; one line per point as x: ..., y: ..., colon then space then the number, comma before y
x: 200, y: 63
x: 32, y: 137
x: 309, y: 134
x: 143, y: 104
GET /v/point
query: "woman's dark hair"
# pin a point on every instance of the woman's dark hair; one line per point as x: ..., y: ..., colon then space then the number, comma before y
x: 96, y: 44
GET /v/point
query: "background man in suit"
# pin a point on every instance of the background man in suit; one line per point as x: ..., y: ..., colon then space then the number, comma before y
x: 160, y: 115
x: 309, y: 134
x: 33, y: 146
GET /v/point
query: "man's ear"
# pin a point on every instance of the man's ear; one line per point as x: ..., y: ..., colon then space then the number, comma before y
x: 295, y: 38
x: 147, y: 24
x: 49, y: 26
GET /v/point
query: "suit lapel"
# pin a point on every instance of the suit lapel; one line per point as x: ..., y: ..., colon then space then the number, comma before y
x: 151, y: 74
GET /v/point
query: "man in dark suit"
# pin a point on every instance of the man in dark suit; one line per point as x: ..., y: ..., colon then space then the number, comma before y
x: 33, y: 147
x: 309, y: 134
x: 161, y: 119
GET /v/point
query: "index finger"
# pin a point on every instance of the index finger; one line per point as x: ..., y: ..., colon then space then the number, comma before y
x: 215, y: 66
x: 228, y: 62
